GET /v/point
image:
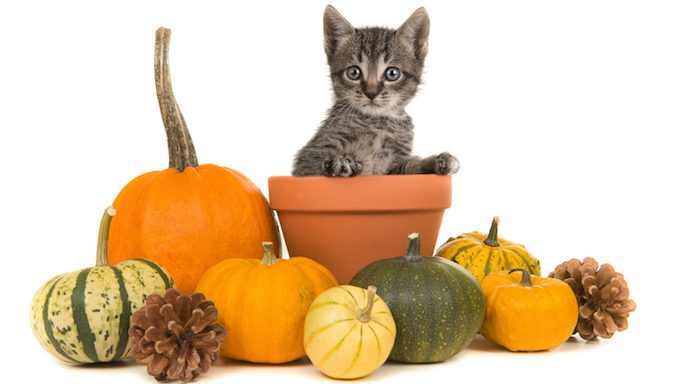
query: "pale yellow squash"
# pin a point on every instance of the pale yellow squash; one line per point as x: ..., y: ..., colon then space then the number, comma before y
x: 349, y: 332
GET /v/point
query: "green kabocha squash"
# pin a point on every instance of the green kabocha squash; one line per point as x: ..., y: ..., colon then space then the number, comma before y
x: 84, y: 316
x: 482, y: 254
x: 437, y: 305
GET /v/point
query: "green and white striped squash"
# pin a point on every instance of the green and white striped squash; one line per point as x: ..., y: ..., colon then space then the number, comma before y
x: 84, y: 316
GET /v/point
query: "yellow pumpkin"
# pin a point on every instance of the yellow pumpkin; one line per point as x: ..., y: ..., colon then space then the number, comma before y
x: 349, y: 332
x: 482, y: 254
x: 527, y: 313
x: 263, y: 304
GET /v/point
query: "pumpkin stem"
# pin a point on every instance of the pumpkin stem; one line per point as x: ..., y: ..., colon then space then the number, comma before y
x: 413, y: 251
x: 364, y: 314
x: 526, y: 276
x: 492, y: 237
x: 269, y: 257
x: 103, y: 240
x: 180, y: 147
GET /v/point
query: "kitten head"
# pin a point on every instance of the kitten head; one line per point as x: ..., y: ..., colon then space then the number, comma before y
x: 376, y: 70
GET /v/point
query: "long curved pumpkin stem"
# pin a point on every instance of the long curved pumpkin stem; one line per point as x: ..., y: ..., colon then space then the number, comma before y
x: 492, y: 237
x: 103, y: 239
x: 364, y: 314
x: 180, y: 147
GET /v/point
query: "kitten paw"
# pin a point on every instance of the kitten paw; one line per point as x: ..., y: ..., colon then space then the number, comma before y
x: 343, y: 166
x: 446, y: 164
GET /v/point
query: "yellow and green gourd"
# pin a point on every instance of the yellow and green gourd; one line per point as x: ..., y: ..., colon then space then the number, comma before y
x: 482, y: 254
x: 84, y: 316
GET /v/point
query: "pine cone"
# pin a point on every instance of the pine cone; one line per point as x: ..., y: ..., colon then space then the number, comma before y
x: 602, y: 297
x: 175, y: 335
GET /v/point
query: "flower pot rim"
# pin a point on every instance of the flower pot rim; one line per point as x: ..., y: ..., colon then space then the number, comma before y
x: 360, y: 193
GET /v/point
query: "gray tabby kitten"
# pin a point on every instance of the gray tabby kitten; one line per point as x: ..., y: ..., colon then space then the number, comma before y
x: 375, y: 73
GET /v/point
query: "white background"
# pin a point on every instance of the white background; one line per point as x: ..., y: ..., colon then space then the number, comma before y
x: 563, y: 115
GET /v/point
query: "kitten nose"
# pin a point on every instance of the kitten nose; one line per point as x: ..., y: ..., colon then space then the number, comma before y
x: 371, y: 89
x: 371, y: 94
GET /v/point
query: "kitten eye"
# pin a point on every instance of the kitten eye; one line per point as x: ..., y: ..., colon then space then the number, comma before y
x: 392, y: 74
x: 353, y: 72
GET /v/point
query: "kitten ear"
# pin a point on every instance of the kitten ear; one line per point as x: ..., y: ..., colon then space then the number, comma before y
x: 415, y: 32
x: 335, y: 30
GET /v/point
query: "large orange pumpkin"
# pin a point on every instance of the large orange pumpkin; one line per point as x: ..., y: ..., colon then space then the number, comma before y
x: 188, y: 217
x: 263, y: 304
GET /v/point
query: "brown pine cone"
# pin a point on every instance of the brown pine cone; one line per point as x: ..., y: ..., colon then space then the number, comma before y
x: 602, y: 297
x: 175, y: 335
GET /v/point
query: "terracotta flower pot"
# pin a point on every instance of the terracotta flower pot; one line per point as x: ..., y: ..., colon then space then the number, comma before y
x: 347, y: 223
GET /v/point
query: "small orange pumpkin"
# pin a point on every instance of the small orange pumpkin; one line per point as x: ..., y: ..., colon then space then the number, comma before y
x: 263, y: 304
x: 189, y: 216
x: 527, y: 313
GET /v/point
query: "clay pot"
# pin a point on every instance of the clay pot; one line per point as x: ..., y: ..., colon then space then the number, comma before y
x: 347, y: 223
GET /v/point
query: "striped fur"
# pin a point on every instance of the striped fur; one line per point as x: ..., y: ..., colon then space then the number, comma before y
x: 367, y: 131
x: 84, y: 316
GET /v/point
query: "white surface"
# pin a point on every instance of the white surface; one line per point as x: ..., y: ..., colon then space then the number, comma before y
x: 562, y: 114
